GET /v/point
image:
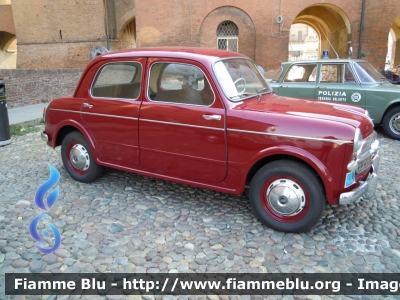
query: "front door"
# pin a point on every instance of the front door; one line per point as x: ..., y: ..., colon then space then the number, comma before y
x: 182, y: 124
x: 111, y: 112
x: 337, y: 83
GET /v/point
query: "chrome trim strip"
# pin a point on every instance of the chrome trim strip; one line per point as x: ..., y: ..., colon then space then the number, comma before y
x: 183, y: 125
x: 96, y: 114
x: 110, y: 116
x: 66, y: 110
x: 339, y: 142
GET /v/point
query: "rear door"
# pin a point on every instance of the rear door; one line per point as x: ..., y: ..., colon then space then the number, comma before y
x: 337, y: 83
x: 111, y: 111
x: 299, y: 81
x: 182, y: 123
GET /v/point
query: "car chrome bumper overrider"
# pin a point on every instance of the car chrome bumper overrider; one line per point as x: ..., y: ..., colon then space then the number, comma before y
x: 44, y: 136
x: 365, y: 188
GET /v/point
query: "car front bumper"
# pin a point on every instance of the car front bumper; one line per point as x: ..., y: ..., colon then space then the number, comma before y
x: 365, y: 188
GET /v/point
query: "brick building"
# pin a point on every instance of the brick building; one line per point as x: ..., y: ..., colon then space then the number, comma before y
x: 62, y: 34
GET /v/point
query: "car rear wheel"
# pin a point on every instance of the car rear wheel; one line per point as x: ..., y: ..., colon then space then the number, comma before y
x: 78, y: 159
x: 287, y: 196
x: 391, y: 123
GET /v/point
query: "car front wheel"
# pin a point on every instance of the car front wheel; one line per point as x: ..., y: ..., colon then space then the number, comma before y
x: 78, y: 159
x: 287, y: 196
x: 391, y: 123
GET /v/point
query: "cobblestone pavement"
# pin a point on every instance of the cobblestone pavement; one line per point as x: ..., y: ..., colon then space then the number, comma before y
x: 129, y: 223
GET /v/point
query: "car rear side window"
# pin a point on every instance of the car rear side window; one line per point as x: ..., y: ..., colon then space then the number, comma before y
x: 118, y: 80
x: 179, y: 83
x: 301, y: 73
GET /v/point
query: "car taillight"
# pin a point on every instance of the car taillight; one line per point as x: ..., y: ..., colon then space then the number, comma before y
x: 44, y: 114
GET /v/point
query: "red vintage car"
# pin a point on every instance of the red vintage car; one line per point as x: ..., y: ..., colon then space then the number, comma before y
x: 208, y: 118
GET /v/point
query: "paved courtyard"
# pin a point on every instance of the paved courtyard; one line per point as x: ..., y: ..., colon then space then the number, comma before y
x: 129, y: 223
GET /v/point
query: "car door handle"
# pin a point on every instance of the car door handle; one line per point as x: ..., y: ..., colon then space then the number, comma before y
x: 212, y: 117
x: 87, y: 105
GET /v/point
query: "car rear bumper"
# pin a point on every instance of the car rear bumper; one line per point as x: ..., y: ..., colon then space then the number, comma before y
x: 44, y: 136
x: 365, y: 188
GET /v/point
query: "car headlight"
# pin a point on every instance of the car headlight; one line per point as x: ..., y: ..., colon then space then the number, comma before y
x: 357, y: 140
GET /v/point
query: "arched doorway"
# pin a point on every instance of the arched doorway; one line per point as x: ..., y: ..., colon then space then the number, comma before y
x: 331, y: 25
x: 304, y: 42
x: 8, y: 50
x: 393, y: 55
x: 127, y: 37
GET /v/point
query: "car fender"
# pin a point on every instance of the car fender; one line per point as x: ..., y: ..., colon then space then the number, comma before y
x: 82, y: 130
x: 304, y: 156
x: 394, y: 102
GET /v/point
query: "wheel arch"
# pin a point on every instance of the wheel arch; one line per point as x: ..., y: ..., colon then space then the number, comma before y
x: 298, y: 155
x: 65, y: 128
x: 392, y: 105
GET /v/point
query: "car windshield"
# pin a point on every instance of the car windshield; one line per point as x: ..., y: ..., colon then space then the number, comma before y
x: 240, y: 79
x: 367, y: 73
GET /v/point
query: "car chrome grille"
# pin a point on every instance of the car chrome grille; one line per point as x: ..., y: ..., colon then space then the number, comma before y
x: 366, y: 153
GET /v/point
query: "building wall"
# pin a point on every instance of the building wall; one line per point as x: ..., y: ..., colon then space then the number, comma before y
x: 379, y: 19
x: 57, y: 33
x: 62, y: 33
x: 26, y: 87
x: 6, y: 18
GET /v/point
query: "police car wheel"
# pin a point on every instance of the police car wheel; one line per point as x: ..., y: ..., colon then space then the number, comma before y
x: 391, y: 123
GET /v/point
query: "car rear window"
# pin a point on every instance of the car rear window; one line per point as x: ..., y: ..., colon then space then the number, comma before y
x: 118, y: 80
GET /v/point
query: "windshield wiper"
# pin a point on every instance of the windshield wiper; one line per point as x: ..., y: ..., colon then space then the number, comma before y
x: 263, y: 89
x: 242, y: 95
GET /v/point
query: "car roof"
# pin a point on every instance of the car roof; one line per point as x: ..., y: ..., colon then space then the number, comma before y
x: 328, y: 60
x: 174, y: 52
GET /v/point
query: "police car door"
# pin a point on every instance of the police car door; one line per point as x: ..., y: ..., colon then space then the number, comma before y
x: 337, y: 83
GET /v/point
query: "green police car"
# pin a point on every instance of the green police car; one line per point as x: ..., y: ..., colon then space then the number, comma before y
x: 350, y: 81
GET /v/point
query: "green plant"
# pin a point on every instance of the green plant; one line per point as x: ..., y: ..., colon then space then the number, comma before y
x: 17, y: 130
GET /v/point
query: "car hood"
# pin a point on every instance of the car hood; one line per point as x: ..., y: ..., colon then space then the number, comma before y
x: 297, y: 112
x: 385, y: 86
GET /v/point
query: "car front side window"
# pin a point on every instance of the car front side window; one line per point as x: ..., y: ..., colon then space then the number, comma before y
x: 179, y: 83
x: 348, y: 75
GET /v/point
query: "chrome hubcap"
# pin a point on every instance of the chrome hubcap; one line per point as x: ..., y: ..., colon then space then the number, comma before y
x: 394, y: 123
x: 286, y: 197
x: 79, y: 157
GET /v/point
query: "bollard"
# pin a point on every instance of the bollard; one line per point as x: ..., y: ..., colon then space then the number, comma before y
x: 5, y: 137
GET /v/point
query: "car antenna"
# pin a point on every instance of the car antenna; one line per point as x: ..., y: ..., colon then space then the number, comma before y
x: 337, y: 55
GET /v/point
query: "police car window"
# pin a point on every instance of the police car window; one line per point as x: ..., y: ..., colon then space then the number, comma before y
x: 332, y: 73
x: 348, y: 75
x: 301, y: 73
